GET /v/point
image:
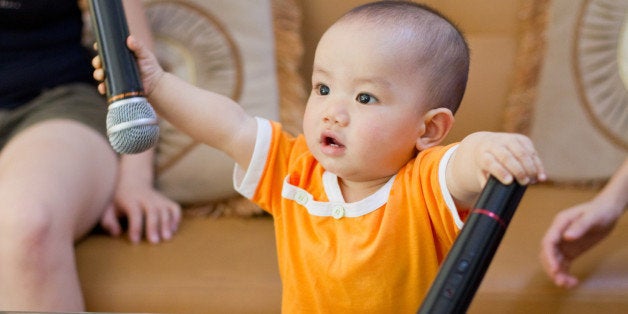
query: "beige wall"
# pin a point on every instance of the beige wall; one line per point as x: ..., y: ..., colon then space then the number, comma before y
x: 491, y: 29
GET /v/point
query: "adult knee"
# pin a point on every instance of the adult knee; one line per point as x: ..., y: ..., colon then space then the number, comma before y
x: 27, y: 233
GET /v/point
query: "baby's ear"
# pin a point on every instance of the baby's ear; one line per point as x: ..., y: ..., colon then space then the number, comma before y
x: 437, y: 124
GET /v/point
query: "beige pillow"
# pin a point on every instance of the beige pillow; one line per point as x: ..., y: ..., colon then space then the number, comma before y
x: 233, y: 48
x: 568, y: 94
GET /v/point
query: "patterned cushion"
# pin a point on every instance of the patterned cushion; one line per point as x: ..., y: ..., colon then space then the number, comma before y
x: 569, y: 94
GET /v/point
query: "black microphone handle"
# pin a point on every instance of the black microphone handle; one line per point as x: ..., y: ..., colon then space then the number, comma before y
x: 466, y: 263
x: 121, y: 72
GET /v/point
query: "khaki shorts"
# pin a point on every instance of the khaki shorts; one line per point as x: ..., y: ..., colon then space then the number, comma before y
x: 80, y: 102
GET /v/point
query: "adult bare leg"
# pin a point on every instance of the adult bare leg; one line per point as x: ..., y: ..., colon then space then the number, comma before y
x: 56, y: 178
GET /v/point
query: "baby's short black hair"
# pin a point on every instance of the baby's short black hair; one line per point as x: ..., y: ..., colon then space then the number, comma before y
x: 443, y: 51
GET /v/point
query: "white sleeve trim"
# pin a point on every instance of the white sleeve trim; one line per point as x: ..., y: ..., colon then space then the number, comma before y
x: 449, y: 200
x: 245, y: 182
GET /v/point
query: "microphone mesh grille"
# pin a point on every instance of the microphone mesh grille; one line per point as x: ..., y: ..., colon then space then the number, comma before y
x: 132, y: 126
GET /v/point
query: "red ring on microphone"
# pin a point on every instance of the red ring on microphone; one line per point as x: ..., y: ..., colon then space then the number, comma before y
x: 491, y: 215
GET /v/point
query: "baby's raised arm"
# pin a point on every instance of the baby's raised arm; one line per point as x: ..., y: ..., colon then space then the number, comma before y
x: 506, y: 156
x: 208, y: 117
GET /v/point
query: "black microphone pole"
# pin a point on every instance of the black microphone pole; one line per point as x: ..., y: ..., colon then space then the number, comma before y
x: 132, y: 124
x: 466, y: 263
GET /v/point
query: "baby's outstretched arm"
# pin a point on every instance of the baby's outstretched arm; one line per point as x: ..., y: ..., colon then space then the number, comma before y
x: 506, y: 156
x: 207, y: 117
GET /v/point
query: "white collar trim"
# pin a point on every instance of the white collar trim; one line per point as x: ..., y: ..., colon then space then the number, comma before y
x: 336, y: 207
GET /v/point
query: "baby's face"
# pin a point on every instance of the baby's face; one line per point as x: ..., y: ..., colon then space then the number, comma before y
x: 365, y: 112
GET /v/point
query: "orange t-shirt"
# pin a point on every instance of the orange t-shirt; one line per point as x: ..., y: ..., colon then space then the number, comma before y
x: 377, y: 255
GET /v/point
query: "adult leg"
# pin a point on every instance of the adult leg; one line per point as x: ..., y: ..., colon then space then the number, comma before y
x: 56, y: 178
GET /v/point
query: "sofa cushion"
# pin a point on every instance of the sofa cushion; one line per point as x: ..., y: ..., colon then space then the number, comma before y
x: 226, y: 265
x: 229, y: 265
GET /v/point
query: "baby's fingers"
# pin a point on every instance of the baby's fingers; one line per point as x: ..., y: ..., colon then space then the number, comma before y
x: 495, y: 165
x: 514, y: 158
x: 102, y: 89
x: 99, y: 74
x: 96, y: 62
x: 529, y: 162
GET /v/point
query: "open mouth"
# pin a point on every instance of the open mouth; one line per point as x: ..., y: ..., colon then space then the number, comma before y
x: 329, y: 140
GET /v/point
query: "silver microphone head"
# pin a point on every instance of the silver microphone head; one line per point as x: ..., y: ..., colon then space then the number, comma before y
x: 132, y: 125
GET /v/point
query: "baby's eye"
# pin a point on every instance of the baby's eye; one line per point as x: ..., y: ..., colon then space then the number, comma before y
x: 366, y: 98
x: 323, y: 89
